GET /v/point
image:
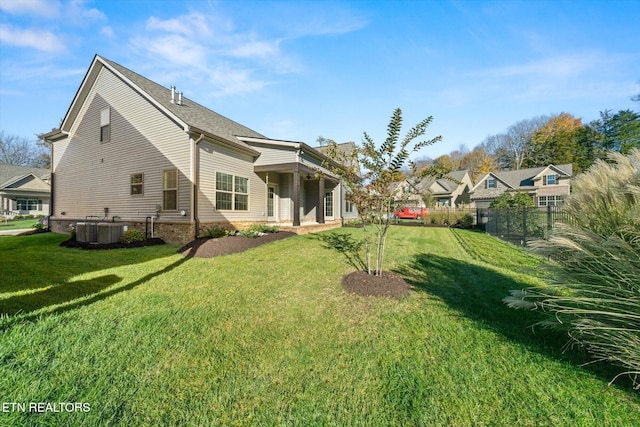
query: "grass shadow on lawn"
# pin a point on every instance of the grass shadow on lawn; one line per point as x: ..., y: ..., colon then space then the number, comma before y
x: 36, y: 261
x: 71, y: 301
x: 477, y: 292
x: 23, y: 304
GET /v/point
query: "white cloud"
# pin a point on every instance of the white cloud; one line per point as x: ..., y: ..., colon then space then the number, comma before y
x: 107, y: 32
x: 46, y: 8
x: 44, y: 41
x: 207, y: 49
x: 173, y: 48
x: 256, y: 49
x: 78, y: 14
x: 553, y: 67
x: 188, y: 25
x: 228, y: 80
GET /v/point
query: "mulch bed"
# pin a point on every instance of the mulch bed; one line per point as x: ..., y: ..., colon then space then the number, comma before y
x: 85, y: 245
x: 386, y: 285
x: 209, y: 248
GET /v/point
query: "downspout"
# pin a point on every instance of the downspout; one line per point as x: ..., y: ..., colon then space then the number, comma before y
x: 51, y: 184
x: 266, y: 210
x: 342, y: 204
x: 196, y: 169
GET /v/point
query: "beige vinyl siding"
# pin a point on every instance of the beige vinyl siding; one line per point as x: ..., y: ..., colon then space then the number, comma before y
x: 270, y: 155
x: 217, y: 158
x: 91, y: 175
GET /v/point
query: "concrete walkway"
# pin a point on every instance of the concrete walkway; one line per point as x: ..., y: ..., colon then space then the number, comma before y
x: 13, y: 232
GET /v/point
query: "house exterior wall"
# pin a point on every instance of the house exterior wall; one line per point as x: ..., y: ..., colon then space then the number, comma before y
x: 270, y: 155
x: 91, y: 175
x: 217, y: 158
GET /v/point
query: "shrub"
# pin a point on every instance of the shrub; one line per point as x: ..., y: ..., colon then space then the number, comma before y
x: 263, y: 228
x: 215, y: 232
x: 465, y: 220
x: 39, y: 226
x: 17, y: 217
x: 248, y: 233
x: 596, y: 296
x: 132, y: 235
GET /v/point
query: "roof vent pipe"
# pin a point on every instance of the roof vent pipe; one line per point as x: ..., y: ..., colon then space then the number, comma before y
x: 173, y: 94
x: 180, y: 98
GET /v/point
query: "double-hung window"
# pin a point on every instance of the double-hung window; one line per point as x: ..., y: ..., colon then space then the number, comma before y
x: 170, y: 190
x: 348, y: 206
x: 549, y: 180
x: 137, y: 184
x: 105, y: 124
x: 491, y: 183
x: 232, y: 192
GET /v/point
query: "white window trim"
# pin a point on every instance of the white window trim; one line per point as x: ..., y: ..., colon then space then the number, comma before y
x: 131, y: 184
x: 233, y: 193
x: 171, y: 189
x: 105, y: 120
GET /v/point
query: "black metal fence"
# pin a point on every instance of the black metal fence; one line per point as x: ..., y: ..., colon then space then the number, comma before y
x: 514, y: 225
x: 521, y: 225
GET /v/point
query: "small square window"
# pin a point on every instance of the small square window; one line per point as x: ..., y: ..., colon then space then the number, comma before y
x: 550, y: 180
x: 491, y: 183
x: 137, y: 184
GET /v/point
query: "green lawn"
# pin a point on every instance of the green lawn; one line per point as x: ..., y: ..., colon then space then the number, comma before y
x: 18, y: 224
x: 268, y: 337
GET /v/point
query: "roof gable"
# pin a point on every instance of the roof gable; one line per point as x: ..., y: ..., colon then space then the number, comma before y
x: 493, y: 175
x: 12, y: 173
x: 524, y: 178
x: 189, y: 115
x: 26, y: 182
x: 564, y: 170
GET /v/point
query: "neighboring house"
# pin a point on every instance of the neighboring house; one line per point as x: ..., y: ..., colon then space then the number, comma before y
x: 451, y: 192
x: 548, y: 185
x: 24, y: 190
x: 131, y: 150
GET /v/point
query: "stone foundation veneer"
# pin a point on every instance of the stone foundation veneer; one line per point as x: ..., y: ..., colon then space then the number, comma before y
x: 170, y: 232
x: 184, y: 232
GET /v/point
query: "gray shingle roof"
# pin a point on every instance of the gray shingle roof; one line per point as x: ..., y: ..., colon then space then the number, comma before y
x: 524, y: 177
x: 190, y: 112
x: 9, y: 173
x: 521, y: 179
x: 447, y: 185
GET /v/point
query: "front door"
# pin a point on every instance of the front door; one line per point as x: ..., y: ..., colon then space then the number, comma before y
x: 272, y: 203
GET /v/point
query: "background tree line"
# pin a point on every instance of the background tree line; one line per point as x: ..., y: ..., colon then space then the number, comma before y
x: 551, y: 139
x: 19, y: 151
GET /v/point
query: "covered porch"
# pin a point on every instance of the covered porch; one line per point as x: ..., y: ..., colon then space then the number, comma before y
x: 299, y: 195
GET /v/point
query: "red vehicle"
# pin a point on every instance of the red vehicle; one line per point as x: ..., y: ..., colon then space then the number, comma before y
x: 410, y: 213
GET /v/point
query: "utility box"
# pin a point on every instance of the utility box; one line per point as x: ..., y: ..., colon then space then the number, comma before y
x: 109, y: 232
x: 86, y: 232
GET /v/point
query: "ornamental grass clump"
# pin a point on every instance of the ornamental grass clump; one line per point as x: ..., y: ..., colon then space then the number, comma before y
x: 596, y: 297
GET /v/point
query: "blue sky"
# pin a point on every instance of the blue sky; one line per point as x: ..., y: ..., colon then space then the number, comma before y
x: 297, y: 70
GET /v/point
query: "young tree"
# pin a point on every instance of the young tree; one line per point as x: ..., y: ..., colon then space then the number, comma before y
x: 371, y: 189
